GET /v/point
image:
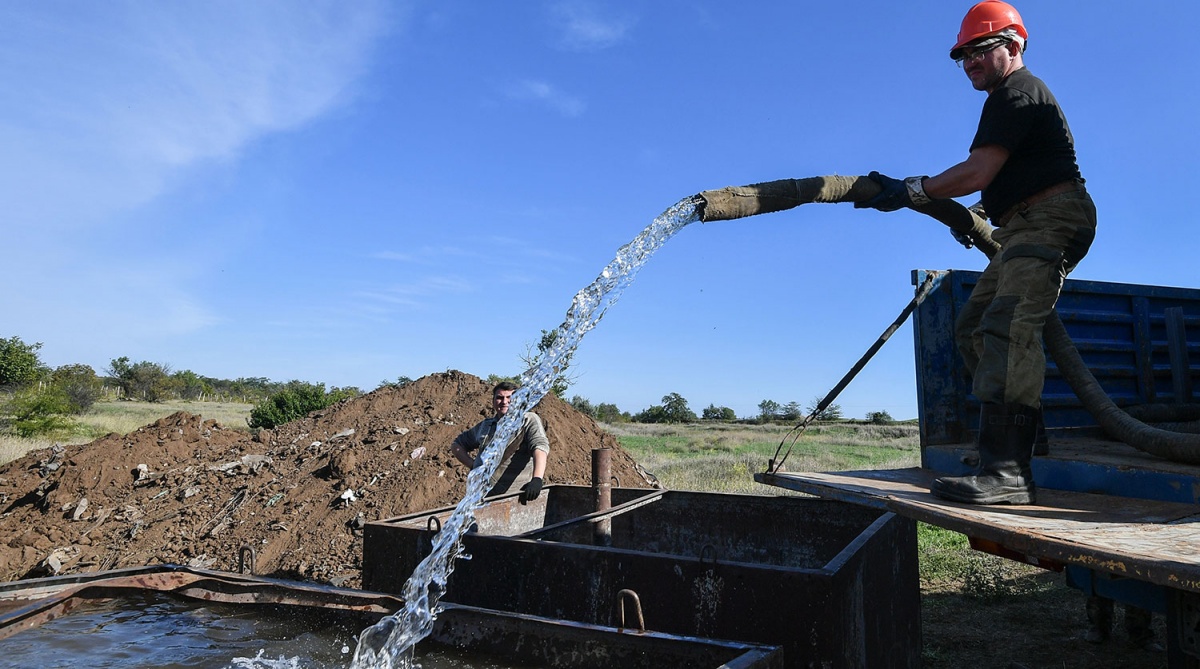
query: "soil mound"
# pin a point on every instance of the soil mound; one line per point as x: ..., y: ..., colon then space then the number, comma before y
x: 188, y: 491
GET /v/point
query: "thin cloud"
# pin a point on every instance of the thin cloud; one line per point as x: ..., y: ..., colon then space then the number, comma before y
x: 427, y: 255
x: 107, y: 106
x: 583, y: 28
x: 117, y: 99
x: 547, y: 94
x: 419, y: 292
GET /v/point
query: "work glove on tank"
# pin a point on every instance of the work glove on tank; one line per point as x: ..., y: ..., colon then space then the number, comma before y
x: 531, y: 490
x: 895, y: 193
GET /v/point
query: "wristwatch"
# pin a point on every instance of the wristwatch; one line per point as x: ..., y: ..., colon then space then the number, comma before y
x: 916, y: 190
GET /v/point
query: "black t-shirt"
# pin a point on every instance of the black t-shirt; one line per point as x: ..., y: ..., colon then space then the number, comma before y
x: 1022, y: 116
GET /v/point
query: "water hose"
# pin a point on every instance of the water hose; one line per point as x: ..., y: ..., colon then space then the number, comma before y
x: 741, y: 201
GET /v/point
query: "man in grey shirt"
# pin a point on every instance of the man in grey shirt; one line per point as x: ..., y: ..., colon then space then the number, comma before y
x: 524, y: 461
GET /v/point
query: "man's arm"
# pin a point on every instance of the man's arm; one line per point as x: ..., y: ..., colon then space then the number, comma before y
x: 539, y: 464
x: 461, y: 454
x: 971, y: 175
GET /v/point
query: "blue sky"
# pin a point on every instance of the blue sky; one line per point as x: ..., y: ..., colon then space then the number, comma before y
x: 347, y: 193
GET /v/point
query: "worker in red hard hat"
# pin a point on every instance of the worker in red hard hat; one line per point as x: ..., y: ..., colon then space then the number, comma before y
x: 1022, y: 160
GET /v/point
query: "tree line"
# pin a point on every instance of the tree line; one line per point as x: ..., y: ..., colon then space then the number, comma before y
x: 37, y: 400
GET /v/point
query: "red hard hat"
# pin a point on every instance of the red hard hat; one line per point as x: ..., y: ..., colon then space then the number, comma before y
x: 987, y: 18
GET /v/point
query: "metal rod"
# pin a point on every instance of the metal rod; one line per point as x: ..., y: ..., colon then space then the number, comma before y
x: 931, y: 279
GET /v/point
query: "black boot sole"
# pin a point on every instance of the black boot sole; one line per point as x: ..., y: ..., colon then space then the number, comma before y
x: 997, y: 495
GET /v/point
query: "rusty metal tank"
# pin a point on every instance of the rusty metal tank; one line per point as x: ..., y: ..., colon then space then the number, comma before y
x: 834, y: 584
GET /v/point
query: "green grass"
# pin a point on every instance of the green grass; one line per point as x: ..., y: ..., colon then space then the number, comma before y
x: 724, y: 458
x: 721, y: 450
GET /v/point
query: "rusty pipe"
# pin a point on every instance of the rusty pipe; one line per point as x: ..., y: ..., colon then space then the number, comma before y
x: 602, y: 494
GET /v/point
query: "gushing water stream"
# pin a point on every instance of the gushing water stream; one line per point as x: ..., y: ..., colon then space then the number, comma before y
x: 389, y: 643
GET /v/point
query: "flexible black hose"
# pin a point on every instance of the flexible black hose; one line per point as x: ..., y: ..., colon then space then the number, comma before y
x: 740, y: 201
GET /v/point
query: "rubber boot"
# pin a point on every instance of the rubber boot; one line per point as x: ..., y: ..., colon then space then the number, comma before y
x: 1041, y: 444
x: 1006, y: 434
x: 1100, y: 619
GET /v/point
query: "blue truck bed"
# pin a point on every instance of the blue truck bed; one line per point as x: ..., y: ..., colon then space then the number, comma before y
x: 1118, y: 521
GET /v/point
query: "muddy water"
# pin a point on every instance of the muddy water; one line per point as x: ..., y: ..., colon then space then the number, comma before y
x: 155, y: 630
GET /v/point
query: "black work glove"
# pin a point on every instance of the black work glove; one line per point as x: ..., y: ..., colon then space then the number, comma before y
x: 895, y: 193
x: 531, y: 490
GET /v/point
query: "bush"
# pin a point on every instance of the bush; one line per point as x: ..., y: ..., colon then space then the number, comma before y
x: 295, y: 401
x: 19, y: 363
x: 34, y: 413
x: 79, y: 384
x: 880, y: 417
x: 714, y: 412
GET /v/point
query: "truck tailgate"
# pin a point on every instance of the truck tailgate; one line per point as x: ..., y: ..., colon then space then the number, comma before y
x: 1147, y: 540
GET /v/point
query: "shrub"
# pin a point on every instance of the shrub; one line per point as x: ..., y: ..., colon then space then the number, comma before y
x: 79, y: 384
x: 879, y: 417
x: 19, y: 363
x: 34, y: 413
x: 296, y: 400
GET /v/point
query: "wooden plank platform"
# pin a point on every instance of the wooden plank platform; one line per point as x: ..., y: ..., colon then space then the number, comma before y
x: 1148, y: 540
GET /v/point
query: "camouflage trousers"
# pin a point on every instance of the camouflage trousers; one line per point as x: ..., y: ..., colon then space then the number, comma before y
x: 999, y: 329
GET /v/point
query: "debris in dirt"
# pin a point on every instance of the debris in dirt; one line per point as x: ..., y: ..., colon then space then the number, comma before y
x: 347, y: 498
x: 80, y: 508
x: 202, y: 491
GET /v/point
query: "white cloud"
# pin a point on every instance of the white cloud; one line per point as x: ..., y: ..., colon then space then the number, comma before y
x: 540, y: 91
x: 106, y: 106
x: 584, y: 29
x: 105, y: 103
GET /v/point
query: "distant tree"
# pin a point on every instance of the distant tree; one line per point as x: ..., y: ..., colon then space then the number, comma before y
x: 243, y: 389
x: 831, y: 412
x: 493, y: 379
x: 562, y: 380
x: 19, y: 363
x: 189, y: 385
x: 400, y: 382
x: 583, y: 406
x: 791, y: 411
x: 880, y: 417
x: 652, y: 414
x: 609, y: 413
x: 677, y: 409
x: 768, y: 410
x: 149, y: 381
x: 79, y: 385
x: 714, y: 412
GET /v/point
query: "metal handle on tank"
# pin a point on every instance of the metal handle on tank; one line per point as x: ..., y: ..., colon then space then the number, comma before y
x: 637, y: 604
x: 242, y: 553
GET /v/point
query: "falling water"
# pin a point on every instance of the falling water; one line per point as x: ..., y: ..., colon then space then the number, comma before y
x: 389, y: 643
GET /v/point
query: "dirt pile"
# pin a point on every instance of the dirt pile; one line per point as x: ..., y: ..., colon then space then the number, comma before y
x: 188, y: 491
